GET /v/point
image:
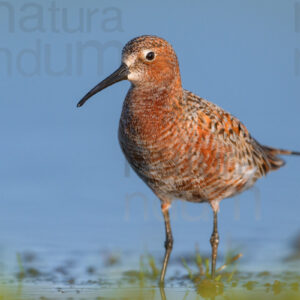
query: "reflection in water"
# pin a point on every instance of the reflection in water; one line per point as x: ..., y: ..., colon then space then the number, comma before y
x: 278, y: 290
x: 62, y: 281
x: 295, y: 253
x: 162, y: 293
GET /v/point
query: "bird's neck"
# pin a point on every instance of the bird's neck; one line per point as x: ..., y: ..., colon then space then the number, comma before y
x: 163, y: 95
x: 149, y: 111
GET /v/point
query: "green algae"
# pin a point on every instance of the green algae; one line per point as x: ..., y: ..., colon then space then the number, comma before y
x: 193, y: 281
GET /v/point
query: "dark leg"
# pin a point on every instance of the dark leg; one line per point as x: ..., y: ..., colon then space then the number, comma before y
x: 214, y: 241
x: 168, y: 242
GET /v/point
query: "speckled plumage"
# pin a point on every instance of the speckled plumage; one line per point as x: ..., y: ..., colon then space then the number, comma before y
x: 181, y: 145
x: 184, y: 146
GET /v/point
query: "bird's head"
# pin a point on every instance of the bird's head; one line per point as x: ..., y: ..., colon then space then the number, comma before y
x: 148, y: 62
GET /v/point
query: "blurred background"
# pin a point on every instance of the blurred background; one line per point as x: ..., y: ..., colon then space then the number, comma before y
x: 64, y: 184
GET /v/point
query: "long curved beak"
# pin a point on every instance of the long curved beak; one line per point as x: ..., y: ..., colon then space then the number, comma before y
x: 118, y: 75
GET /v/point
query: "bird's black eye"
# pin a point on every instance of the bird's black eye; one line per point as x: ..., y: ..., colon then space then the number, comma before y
x: 150, y: 55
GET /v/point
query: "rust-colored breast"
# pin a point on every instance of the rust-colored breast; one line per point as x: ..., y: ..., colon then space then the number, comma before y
x: 187, y: 147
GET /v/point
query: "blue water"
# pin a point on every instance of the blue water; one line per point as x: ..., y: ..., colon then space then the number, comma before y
x: 64, y: 183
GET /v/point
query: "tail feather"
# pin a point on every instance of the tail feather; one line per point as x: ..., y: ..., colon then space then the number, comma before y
x: 275, y: 151
x: 275, y: 161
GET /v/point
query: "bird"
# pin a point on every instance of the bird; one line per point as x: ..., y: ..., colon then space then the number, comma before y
x: 181, y: 145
